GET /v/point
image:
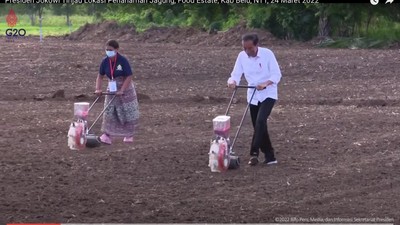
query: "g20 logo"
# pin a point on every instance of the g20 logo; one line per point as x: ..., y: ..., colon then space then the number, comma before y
x: 12, y: 32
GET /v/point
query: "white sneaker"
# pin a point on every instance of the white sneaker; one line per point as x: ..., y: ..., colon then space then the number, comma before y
x: 128, y: 139
x: 271, y: 162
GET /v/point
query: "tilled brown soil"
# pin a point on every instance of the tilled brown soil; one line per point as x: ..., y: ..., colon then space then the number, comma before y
x: 335, y: 128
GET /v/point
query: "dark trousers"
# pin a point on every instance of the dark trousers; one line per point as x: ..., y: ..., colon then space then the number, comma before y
x: 259, y: 115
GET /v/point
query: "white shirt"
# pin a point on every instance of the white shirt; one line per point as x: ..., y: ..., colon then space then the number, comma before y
x: 257, y: 70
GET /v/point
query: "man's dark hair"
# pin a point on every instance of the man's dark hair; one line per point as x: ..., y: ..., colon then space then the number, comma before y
x: 113, y: 43
x: 251, y: 37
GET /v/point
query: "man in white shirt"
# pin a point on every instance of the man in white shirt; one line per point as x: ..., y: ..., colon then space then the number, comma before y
x: 260, y: 69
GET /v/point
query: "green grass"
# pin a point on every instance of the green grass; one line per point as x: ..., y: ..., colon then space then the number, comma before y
x: 141, y: 23
x: 151, y: 17
x: 51, y: 25
x: 381, y: 34
x: 385, y: 31
x: 356, y: 43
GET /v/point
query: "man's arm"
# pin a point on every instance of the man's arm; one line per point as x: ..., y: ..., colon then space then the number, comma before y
x: 236, y: 73
x: 273, y: 69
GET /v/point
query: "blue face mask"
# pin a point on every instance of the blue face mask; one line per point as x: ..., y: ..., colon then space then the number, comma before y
x: 110, y: 53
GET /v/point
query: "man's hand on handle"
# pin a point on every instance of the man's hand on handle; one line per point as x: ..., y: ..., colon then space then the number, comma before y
x: 232, y: 84
x: 264, y: 85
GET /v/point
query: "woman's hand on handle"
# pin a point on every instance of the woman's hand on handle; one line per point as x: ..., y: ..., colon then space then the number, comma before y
x: 98, y: 92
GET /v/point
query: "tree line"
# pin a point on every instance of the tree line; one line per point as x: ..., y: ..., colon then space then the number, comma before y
x: 286, y: 21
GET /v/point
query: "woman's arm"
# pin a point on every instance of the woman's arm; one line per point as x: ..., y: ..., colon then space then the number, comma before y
x: 99, y: 84
x: 127, y: 82
x: 127, y: 77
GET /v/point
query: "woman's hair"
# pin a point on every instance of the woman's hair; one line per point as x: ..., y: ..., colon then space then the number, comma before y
x: 112, y: 43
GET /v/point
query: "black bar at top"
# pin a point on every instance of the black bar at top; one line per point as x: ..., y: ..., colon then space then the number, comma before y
x: 372, y: 3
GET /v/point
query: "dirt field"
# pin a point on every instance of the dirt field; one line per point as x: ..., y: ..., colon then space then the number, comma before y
x: 335, y: 129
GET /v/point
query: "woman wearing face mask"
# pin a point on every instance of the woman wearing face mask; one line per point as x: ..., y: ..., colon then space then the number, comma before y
x: 121, y: 118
